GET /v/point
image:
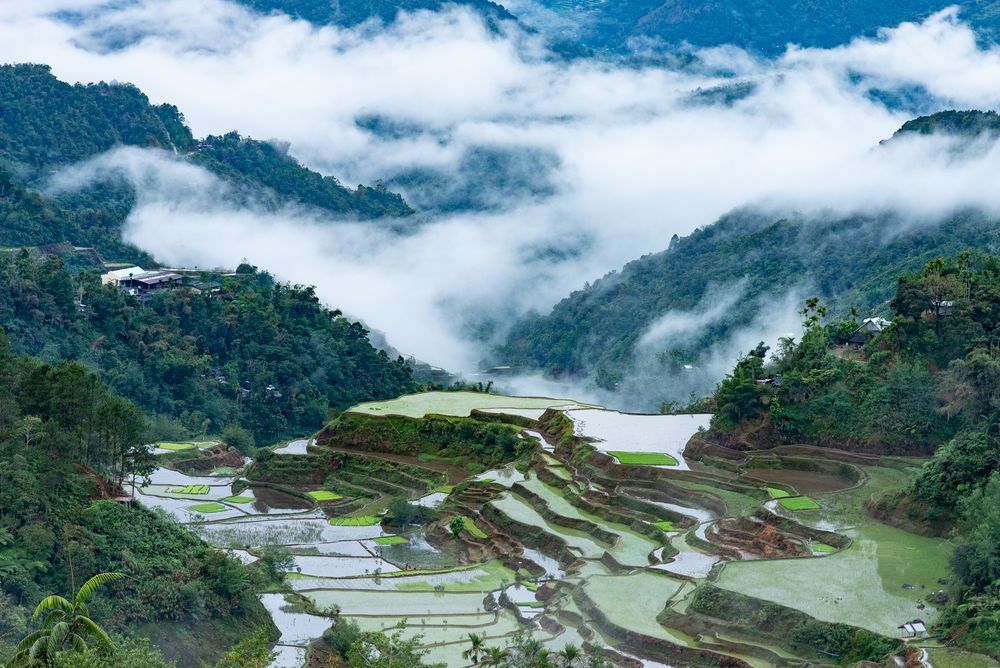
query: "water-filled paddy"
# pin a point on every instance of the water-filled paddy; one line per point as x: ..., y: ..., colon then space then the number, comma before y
x: 519, y: 510
x: 616, y: 596
x: 624, y: 432
x: 862, y: 585
x: 459, y: 404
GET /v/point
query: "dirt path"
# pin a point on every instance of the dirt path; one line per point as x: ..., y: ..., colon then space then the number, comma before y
x: 456, y: 474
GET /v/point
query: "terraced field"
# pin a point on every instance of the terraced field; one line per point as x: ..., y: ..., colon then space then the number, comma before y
x: 571, y: 545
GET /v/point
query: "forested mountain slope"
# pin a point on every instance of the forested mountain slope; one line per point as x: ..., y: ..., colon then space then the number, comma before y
x: 267, y: 356
x: 756, y: 261
x: 927, y: 383
x: 62, y: 435
x: 46, y: 124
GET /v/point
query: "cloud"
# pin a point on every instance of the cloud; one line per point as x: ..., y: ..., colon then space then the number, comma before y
x: 630, y: 160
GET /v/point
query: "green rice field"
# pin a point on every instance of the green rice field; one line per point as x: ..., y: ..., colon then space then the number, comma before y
x: 208, y: 508
x: 777, y: 493
x: 664, y: 526
x: 191, y: 489
x: 862, y: 585
x: 360, y: 521
x: 238, y: 499
x: 471, y: 527
x: 796, y: 503
x: 643, y: 458
x: 324, y: 495
x: 390, y: 540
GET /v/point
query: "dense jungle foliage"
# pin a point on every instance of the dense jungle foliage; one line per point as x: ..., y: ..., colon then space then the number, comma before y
x: 265, y: 355
x: 928, y: 383
x: 66, y: 444
x: 46, y: 124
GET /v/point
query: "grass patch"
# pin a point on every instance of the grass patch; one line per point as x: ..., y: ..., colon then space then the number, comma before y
x: 949, y: 657
x: 446, y: 489
x: 532, y: 604
x: 238, y: 499
x: 175, y: 447
x: 823, y: 547
x: 664, y: 526
x: 208, y: 508
x: 360, y: 521
x: 471, y: 527
x: 776, y: 493
x: 796, y: 503
x: 191, y: 489
x: 390, y: 540
x: 531, y: 586
x: 643, y: 458
x: 324, y: 495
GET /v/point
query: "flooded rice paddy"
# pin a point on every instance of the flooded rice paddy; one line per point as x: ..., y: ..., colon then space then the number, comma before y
x: 601, y: 577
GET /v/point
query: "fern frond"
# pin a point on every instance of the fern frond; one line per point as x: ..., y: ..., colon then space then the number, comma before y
x: 93, y: 583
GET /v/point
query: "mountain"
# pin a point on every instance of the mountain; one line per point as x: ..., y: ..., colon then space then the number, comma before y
x: 47, y: 124
x: 350, y: 13
x: 727, y: 277
x: 765, y: 26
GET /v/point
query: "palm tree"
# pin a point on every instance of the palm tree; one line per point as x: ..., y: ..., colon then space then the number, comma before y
x: 569, y: 655
x: 66, y: 623
x: 496, y: 657
x: 476, y: 648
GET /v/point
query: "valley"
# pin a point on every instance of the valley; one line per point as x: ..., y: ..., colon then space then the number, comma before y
x: 648, y: 564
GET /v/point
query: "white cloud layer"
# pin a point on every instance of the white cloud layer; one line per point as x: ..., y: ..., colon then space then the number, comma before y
x: 638, y: 161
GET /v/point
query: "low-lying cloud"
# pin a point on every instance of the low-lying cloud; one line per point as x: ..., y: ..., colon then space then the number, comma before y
x: 631, y: 160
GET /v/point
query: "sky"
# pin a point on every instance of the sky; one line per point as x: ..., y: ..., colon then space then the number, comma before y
x: 634, y: 154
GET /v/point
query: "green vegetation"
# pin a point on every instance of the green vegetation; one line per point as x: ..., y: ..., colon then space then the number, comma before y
x: 454, y: 440
x: 796, y: 503
x: 238, y: 499
x: 822, y: 547
x: 643, y: 458
x: 208, y: 508
x: 66, y: 626
x: 67, y: 444
x: 361, y: 521
x: 664, y: 526
x: 202, y: 362
x: 191, y: 489
x: 324, y: 495
x: 776, y: 493
x: 471, y: 527
x: 390, y: 540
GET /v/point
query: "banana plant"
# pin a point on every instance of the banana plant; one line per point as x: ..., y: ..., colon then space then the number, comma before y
x: 66, y: 624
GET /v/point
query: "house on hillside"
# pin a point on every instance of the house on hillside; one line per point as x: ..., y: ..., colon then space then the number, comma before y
x: 868, y: 328
x: 149, y: 281
x: 942, y: 308
x: 113, y: 277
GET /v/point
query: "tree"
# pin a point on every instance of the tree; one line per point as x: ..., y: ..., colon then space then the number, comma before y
x: 237, y: 437
x: 496, y: 657
x: 378, y: 650
x: 66, y: 624
x: 456, y: 526
x: 476, y: 648
x: 253, y: 652
x: 570, y: 655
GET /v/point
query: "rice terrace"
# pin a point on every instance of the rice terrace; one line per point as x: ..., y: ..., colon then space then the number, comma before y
x: 634, y: 534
